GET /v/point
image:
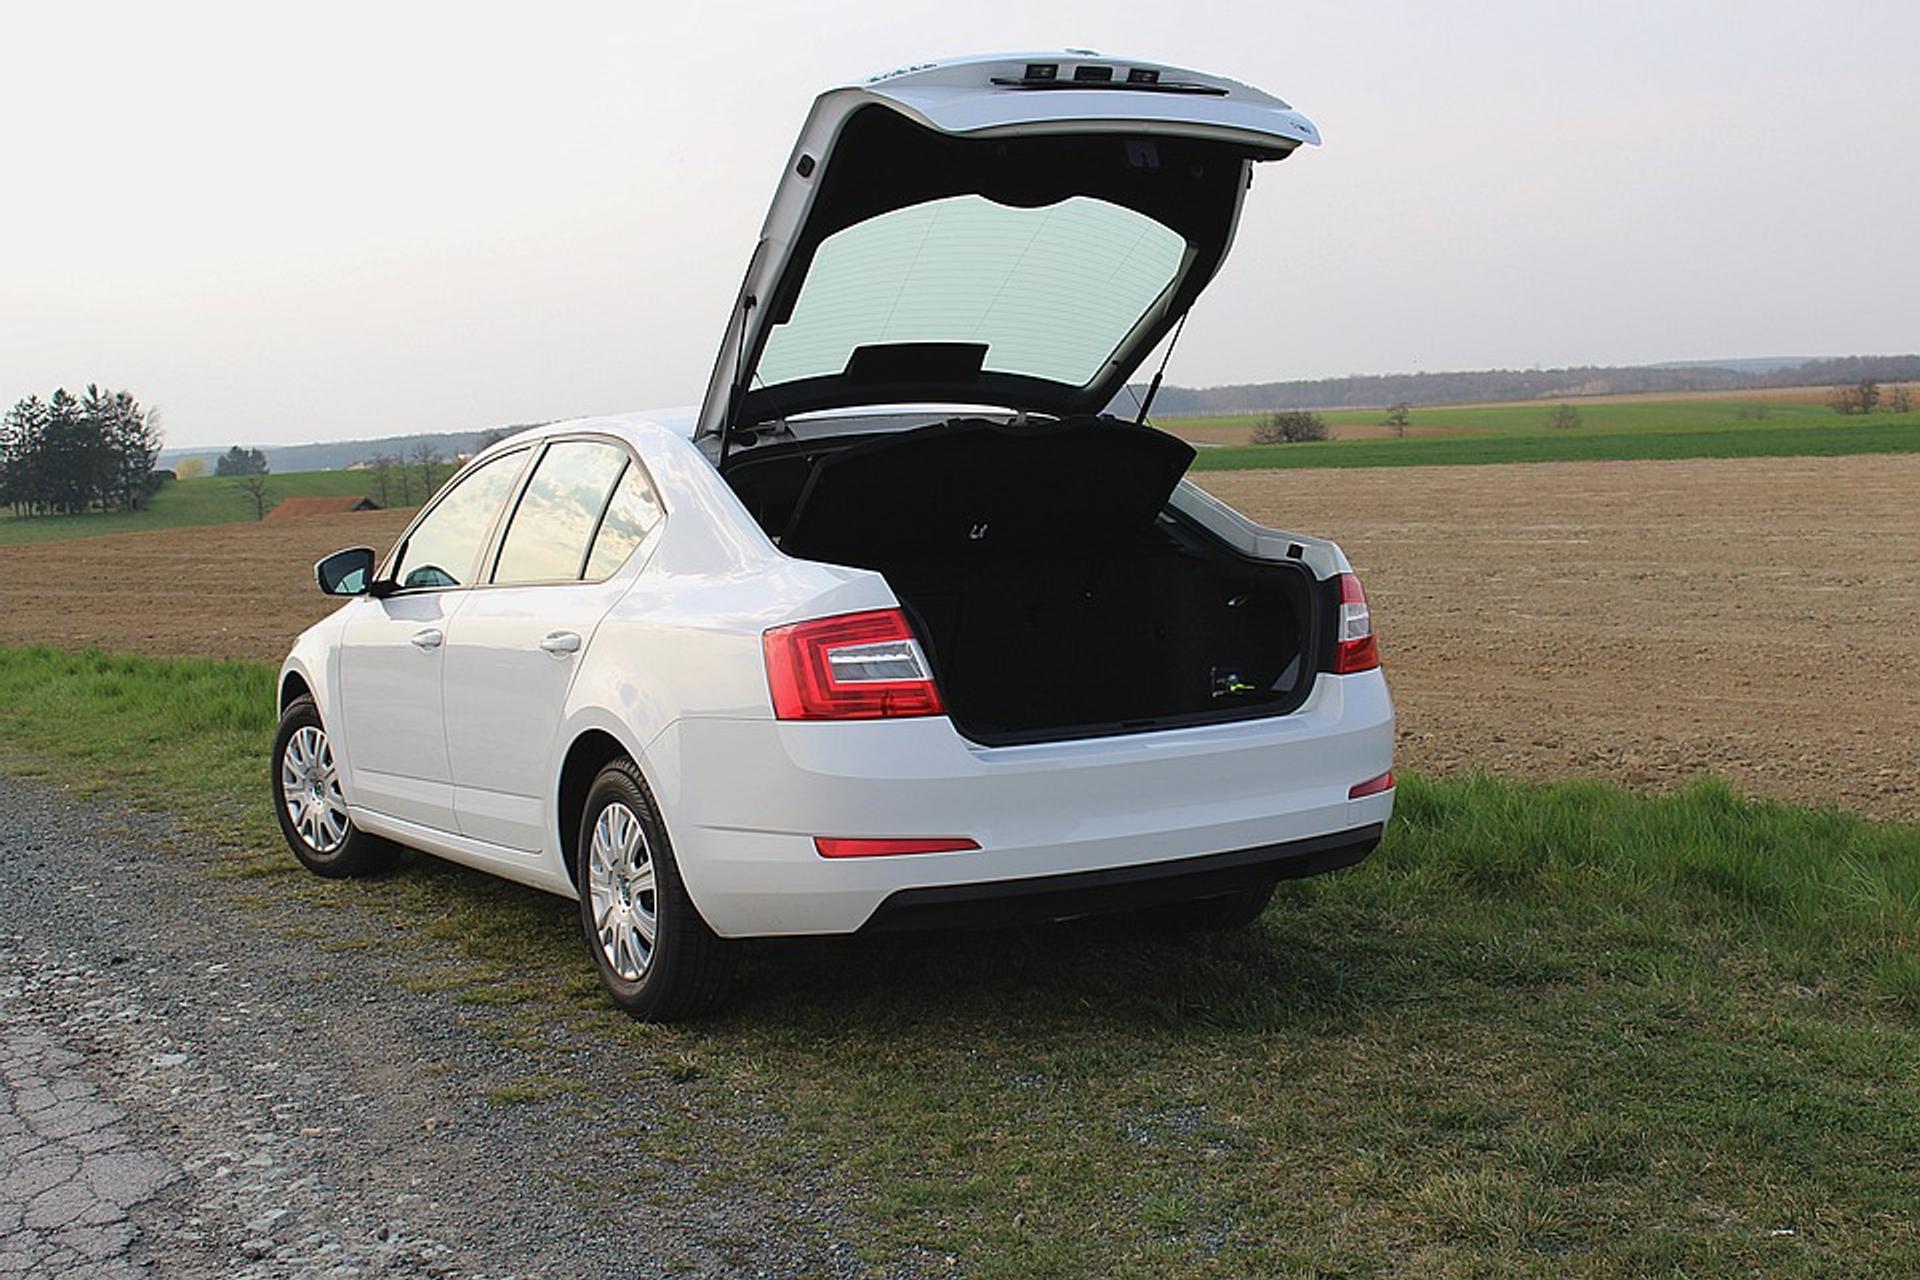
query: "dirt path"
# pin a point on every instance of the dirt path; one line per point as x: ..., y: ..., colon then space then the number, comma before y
x: 187, y: 1091
x: 1641, y: 621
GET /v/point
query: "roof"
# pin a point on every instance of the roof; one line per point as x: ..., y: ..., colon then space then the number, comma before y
x: 301, y: 508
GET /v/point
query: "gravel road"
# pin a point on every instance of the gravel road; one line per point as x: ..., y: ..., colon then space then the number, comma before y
x: 180, y: 1097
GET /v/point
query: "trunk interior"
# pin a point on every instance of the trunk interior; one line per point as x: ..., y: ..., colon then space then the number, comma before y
x: 1056, y: 594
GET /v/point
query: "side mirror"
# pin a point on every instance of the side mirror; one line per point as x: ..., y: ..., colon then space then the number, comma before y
x: 346, y: 573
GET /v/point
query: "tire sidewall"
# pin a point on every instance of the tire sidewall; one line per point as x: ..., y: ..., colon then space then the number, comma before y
x: 621, y: 782
x: 301, y: 713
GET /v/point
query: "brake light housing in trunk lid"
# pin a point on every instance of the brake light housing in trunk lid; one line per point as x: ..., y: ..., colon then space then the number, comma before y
x: 856, y: 666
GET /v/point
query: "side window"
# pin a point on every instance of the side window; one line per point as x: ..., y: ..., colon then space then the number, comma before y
x: 444, y: 549
x: 547, y: 538
x: 631, y: 516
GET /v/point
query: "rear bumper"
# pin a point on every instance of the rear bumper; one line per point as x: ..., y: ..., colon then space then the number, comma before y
x: 1038, y: 898
x: 743, y: 800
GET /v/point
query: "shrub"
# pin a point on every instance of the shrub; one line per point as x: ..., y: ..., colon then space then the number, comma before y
x: 1290, y: 427
x: 1563, y: 416
x: 1861, y: 397
x: 1398, y: 418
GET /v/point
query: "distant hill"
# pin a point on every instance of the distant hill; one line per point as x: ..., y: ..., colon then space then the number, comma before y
x: 334, y: 455
x: 1362, y: 391
x: 1374, y: 391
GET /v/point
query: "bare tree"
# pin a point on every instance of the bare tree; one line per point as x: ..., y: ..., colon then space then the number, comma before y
x: 1562, y: 417
x: 1899, y: 399
x: 1399, y: 418
x: 255, y: 487
x: 426, y: 456
x: 382, y: 466
x: 394, y: 464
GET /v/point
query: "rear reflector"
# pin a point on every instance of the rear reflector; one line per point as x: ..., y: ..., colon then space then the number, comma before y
x: 1372, y: 786
x: 1357, y: 649
x: 860, y: 847
x: 858, y: 666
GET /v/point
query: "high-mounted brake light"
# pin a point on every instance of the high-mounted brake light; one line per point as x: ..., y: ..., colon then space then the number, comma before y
x: 858, y: 666
x: 1357, y: 649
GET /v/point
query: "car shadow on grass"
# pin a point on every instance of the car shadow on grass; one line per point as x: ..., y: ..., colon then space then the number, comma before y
x: 1298, y: 965
x: 1114, y: 971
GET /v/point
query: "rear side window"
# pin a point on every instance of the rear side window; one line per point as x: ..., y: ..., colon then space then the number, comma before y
x: 444, y: 548
x: 631, y: 516
x: 547, y: 538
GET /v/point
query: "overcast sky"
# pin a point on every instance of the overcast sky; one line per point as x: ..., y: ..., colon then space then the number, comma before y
x: 286, y: 224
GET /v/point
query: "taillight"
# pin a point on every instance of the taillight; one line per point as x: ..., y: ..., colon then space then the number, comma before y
x: 1356, y: 650
x: 858, y: 666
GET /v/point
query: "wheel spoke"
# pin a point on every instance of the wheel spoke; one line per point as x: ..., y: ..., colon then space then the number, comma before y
x: 646, y: 925
x: 641, y: 881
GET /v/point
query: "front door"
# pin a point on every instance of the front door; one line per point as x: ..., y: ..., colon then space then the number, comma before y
x: 393, y: 651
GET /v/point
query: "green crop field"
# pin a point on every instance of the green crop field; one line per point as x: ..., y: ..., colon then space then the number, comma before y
x: 1606, y: 431
x: 206, y: 500
x: 1559, y: 1030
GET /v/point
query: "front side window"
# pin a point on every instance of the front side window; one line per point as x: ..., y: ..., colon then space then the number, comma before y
x: 631, y: 516
x: 444, y: 548
x: 547, y: 538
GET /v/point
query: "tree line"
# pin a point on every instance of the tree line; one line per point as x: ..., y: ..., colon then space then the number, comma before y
x: 69, y: 454
x: 1477, y: 386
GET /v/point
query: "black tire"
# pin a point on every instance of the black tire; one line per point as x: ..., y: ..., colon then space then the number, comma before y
x: 688, y: 968
x: 1235, y: 910
x: 357, y: 853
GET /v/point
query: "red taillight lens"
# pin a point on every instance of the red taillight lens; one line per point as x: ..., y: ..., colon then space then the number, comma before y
x: 1371, y: 787
x: 861, y: 847
x: 1357, y: 649
x: 858, y: 666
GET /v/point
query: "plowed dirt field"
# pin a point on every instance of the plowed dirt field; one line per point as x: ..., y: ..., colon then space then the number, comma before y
x: 1640, y: 621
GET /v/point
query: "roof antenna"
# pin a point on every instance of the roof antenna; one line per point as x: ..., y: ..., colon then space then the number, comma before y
x: 1153, y: 388
x: 737, y: 391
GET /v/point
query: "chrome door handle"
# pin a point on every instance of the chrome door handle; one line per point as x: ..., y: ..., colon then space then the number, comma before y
x: 561, y: 643
x: 428, y: 639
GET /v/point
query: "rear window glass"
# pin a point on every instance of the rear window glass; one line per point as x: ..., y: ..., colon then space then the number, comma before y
x: 1051, y: 291
x: 631, y: 516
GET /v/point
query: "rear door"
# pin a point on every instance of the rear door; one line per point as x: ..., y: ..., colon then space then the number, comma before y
x: 393, y: 649
x: 516, y: 643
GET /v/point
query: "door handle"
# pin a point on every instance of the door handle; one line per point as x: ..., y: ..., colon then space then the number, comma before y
x: 561, y: 643
x: 428, y: 639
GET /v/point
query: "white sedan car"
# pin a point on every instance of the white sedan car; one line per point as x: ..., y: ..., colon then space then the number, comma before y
x: 902, y: 627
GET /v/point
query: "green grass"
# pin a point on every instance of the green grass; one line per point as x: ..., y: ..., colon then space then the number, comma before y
x: 1556, y: 1030
x: 1627, y: 431
x: 205, y: 500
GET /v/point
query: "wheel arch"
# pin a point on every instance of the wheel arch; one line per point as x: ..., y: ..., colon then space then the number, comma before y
x: 293, y: 686
x: 591, y: 750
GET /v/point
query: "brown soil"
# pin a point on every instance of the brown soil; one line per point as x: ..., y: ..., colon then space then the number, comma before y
x: 1642, y: 621
x: 229, y: 590
x: 1647, y: 622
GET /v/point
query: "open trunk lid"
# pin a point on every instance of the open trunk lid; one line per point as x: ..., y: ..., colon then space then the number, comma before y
x: 1011, y: 230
